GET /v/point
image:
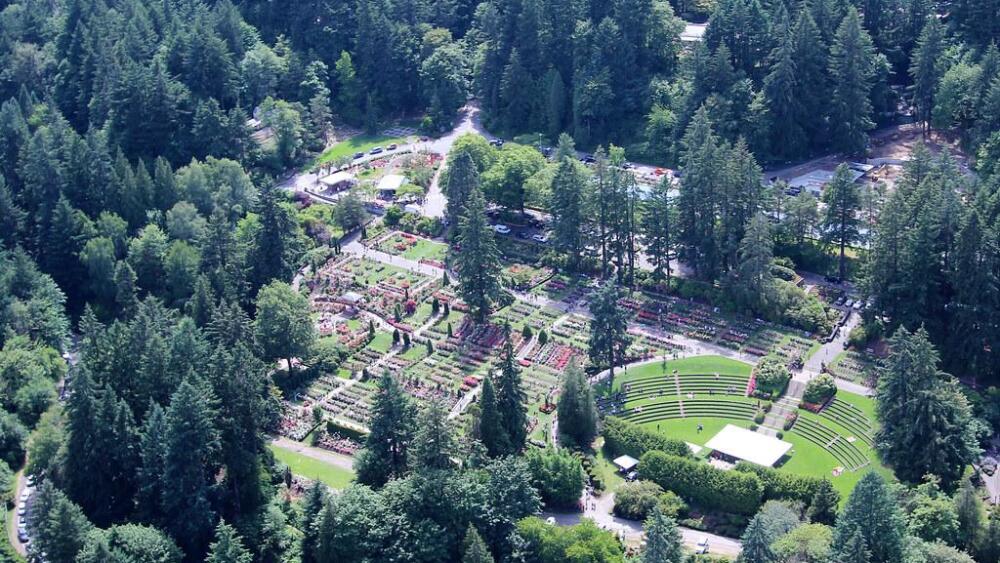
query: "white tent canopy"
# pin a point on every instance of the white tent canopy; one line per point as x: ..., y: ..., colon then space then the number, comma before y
x: 746, y: 445
x: 626, y: 463
x: 391, y: 183
x: 337, y: 178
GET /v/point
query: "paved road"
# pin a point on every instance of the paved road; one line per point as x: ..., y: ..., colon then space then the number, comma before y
x: 599, y: 509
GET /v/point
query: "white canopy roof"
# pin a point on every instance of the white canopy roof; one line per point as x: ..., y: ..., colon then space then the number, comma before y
x: 626, y: 462
x: 337, y: 178
x: 749, y: 446
x: 391, y: 182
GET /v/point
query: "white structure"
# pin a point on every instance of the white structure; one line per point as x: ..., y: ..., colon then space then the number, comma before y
x: 815, y: 181
x: 338, y: 181
x: 391, y: 182
x: 626, y: 463
x: 742, y: 444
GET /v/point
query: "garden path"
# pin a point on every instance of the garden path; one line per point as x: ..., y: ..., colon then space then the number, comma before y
x: 319, y: 454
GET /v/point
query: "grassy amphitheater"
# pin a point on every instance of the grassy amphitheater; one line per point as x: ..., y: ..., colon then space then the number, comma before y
x: 691, y: 399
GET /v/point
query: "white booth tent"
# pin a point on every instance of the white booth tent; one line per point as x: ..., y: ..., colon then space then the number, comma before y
x: 747, y: 445
x: 626, y: 463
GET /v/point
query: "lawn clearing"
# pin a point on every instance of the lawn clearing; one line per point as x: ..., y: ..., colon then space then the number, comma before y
x: 304, y: 466
x: 360, y: 143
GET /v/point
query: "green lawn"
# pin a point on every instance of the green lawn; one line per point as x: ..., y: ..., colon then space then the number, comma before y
x: 426, y: 250
x: 334, y: 476
x: 381, y: 343
x: 360, y: 143
x: 693, y: 365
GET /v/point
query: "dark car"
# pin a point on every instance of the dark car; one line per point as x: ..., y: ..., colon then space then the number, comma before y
x: 376, y: 150
x: 588, y: 160
x: 359, y: 155
x: 393, y: 147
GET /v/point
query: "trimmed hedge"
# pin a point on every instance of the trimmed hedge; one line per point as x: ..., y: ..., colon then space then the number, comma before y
x: 779, y: 485
x: 622, y: 437
x: 356, y: 434
x: 702, y: 484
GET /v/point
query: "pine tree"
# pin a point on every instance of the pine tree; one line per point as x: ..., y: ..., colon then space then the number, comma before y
x: 663, y: 539
x: 312, y: 508
x: 752, y: 283
x: 854, y: 551
x: 491, y: 431
x: 152, y: 452
x: 275, y: 249
x: 390, y: 431
x: 433, y: 443
x: 970, y: 517
x: 823, y: 506
x: 990, y: 548
x: 840, y: 223
x: 658, y: 225
x: 192, y: 447
x: 756, y: 543
x: 462, y: 178
x: 511, y: 399
x: 609, y: 338
x: 787, y: 137
x: 696, y: 201
x: 568, y: 203
x: 478, y: 261
x: 925, y: 420
x: 926, y: 69
x: 872, y: 513
x: 810, y: 58
x: 227, y: 547
x: 474, y: 549
x: 577, y: 409
x: 851, y: 72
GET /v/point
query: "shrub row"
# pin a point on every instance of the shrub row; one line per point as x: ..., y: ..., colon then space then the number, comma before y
x: 702, y: 484
x: 779, y: 485
x: 622, y: 437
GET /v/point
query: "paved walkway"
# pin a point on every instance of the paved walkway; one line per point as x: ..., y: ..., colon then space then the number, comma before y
x: 319, y: 454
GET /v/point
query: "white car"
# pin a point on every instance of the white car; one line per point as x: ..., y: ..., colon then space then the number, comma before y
x: 502, y: 229
x: 25, y: 494
x: 702, y: 546
x: 540, y: 238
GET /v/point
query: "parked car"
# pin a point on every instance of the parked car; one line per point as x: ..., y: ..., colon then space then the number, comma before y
x: 376, y: 150
x: 702, y: 546
x: 501, y: 229
x: 424, y: 139
x: 22, y: 536
x: 359, y: 155
x: 588, y: 159
x: 393, y: 147
x: 540, y: 238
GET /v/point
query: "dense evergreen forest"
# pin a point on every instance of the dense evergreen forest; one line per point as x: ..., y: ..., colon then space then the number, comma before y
x: 149, y: 323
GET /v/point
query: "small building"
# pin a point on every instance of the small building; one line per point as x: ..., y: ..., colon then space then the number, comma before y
x: 338, y: 182
x: 351, y: 298
x: 390, y: 184
x: 733, y: 444
x: 815, y: 181
x: 625, y: 463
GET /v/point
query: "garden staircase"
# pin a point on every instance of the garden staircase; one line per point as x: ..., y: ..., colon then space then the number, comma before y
x: 788, y: 403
